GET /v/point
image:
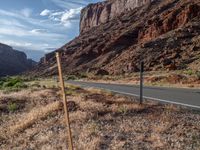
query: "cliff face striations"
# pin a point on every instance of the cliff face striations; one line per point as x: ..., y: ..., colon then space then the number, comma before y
x: 164, y: 33
x: 96, y: 14
x: 13, y: 62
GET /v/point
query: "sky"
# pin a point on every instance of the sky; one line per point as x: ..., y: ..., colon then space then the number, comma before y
x: 39, y: 26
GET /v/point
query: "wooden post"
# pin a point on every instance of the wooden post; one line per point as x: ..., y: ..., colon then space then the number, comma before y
x: 64, y: 101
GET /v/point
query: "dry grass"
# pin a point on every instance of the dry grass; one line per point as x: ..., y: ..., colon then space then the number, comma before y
x: 99, y: 121
x: 181, y: 78
x: 34, y: 115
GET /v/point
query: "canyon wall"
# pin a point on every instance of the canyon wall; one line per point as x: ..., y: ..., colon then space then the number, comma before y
x: 96, y: 14
x: 12, y: 61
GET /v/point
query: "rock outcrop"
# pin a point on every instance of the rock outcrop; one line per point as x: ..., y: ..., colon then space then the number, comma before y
x: 13, y: 62
x: 96, y: 14
x: 164, y: 34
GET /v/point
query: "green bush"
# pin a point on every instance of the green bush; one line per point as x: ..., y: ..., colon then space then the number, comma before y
x: 12, y: 83
x: 20, y: 85
x: 1, y: 83
x: 12, y: 107
x: 198, y: 75
x: 189, y: 72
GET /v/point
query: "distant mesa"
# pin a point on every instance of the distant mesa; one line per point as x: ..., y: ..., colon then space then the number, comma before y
x: 13, y: 62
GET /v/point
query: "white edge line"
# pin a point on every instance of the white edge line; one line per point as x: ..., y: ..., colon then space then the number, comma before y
x: 151, y: 98
x: 157, y: 99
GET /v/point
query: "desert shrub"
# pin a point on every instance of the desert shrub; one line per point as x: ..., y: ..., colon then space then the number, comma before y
x: 69, y: 92
x: 76, y: 77
x: 189, y: 72
x: 12, y: 84
x: 20, y: 85
x: 182, y: 66
x: 12, y: 107
x: 123, y: 110
x: 71, y: 77
x: 198, y: 75
x: 72, y: 87
x: 82, y: 75
x: 37, y: 85
x: 28, y: 78
x: 1, y: 83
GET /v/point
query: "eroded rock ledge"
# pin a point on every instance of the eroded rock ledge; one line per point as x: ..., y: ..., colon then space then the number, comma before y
x: 96, y: 14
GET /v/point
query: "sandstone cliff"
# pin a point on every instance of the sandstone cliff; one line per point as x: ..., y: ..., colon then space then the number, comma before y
x: 164, y: 34
x: 13, y: 62
x: 96, y: 14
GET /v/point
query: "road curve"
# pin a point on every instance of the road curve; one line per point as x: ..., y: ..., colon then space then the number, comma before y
x: 179, y: 96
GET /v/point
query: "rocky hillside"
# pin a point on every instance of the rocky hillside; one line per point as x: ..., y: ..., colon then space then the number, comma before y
x: 164, y: 33
x: 13, y: 62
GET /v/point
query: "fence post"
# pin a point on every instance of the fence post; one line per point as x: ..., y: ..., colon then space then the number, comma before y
x: 64, y: 101
x: 141, y: 81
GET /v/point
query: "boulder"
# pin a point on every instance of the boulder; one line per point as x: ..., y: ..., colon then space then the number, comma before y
x: 102, y: 72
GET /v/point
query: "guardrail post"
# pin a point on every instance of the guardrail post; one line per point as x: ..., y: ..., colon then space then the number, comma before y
x: 141, y: 81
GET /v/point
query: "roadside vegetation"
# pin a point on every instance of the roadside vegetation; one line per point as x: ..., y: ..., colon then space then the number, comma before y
x: 33, y: 118
x: 181, y: 78
x: 9, y: 84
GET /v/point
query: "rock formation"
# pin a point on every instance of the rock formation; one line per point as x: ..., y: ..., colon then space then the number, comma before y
x: 13, y: 62
x: 165, y: 34
x: 96, y: 14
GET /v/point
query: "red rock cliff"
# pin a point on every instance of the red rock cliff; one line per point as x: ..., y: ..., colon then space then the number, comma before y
x: 96, y: 14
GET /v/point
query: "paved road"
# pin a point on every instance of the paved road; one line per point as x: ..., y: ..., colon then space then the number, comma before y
x: 185, y: 97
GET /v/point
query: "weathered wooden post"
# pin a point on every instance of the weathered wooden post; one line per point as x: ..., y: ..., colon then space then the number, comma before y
x: 64, y: 101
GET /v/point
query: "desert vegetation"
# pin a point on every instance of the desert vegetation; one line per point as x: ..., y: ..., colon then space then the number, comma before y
x: 32, y: 118
x: 187, y: 78
x: 12, y: 84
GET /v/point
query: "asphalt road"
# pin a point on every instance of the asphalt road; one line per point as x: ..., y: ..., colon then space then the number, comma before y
x: 179, y: 96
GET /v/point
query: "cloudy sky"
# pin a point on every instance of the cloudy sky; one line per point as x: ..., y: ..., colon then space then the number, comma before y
x: 39, y: 26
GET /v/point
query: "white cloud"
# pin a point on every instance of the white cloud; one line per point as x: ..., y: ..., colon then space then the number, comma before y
x: 26, y: 12
x: 21, y: 45
x: 58, y: 13
x: 12, y: 31
x: 19, y: 17
x: 16, y: 44
x: 45, y: 12
x: 70, y: 4
x: 9, y: 16
x: 36, y: 31
x: 11, y: 22
x: 72, y: 14
x: 63, y: 17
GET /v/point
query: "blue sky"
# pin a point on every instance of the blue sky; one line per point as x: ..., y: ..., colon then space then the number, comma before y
x: 39, y: 26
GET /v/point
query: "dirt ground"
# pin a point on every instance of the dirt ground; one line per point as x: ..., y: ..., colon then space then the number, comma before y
x: 33, y: 119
